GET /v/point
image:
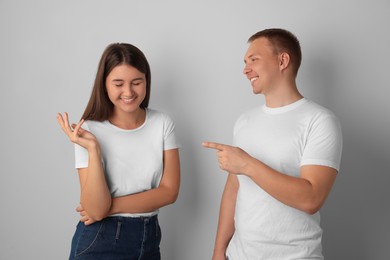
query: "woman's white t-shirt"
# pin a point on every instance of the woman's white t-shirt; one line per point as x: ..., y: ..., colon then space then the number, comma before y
x: 132, y: 159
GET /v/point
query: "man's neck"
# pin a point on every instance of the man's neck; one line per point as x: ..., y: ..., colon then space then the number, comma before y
x: 282, y: 96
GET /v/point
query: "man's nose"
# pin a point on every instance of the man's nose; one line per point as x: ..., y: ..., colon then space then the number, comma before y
x: 247, y: 69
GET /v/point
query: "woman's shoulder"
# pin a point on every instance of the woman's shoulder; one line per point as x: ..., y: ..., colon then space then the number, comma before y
x: 92, y: 125
x: 93, y: 122
x: 158, y: 114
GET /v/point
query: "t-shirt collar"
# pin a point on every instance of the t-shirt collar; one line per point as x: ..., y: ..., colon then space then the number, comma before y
x: 283, y: 109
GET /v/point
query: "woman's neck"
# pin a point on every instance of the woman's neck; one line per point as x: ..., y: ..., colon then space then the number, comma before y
x: 128, y: 121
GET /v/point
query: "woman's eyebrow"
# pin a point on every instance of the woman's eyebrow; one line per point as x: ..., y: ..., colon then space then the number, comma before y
x: 121, y: 80
x: 140, y: 78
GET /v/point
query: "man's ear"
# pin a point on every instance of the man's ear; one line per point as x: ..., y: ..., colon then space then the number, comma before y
x: 284, y: 60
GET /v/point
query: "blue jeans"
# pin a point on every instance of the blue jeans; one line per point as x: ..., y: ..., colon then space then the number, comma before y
x: 117, y: 238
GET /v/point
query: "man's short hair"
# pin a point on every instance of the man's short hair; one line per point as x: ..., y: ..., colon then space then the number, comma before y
x: 282, y: 41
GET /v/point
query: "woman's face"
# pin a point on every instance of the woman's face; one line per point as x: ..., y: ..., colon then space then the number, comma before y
x: 126, y: 88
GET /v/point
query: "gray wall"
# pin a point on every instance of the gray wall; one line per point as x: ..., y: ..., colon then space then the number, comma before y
x: 48, y: 59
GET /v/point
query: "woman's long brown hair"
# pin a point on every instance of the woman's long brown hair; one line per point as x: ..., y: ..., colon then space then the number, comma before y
x: 99, y: 107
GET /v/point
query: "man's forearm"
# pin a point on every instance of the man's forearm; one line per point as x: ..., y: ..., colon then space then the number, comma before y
x: 226, y: 229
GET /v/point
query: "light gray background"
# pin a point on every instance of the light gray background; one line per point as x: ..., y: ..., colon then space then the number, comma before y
x: 48, y: 59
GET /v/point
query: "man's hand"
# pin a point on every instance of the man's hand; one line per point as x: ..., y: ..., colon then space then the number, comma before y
x: 231, y: 159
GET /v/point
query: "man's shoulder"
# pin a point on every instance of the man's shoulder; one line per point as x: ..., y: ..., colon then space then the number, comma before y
x: 251, y: 112
x: 315, y: 109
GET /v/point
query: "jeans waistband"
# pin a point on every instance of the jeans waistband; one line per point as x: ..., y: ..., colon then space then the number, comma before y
x: 132, y: 219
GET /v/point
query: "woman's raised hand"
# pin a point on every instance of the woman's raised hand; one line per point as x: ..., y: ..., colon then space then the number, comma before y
x: 76, y: 134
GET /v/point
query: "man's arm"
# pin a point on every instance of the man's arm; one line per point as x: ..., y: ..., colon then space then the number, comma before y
x: 226, y: 218
x: 307, y: 192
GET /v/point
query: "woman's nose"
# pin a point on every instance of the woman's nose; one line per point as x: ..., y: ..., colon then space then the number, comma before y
x: 128, y: 90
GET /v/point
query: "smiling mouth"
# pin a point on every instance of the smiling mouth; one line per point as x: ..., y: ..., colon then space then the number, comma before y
x: 128, y: 100
x: 253, y: 79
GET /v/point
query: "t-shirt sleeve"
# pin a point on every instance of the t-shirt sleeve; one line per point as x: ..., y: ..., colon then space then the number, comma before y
x: 324, y: 143
x: 170, y: 141
x: 81, y: 154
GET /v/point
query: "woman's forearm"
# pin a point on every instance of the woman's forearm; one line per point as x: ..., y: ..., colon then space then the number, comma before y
x: 147, y: 201
x: 95, y: 196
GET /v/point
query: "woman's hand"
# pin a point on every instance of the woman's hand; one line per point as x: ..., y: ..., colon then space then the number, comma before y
x: 85, y: 218
x: 76, y: 134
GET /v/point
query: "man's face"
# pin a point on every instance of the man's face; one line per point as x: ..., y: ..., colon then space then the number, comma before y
x: 261, y: 65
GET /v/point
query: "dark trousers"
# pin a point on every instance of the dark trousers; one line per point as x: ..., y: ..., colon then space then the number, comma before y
x: 118, y: 238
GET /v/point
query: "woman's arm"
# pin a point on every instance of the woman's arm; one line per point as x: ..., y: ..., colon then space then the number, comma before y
x: 166, y: 193
x: 95, y: 197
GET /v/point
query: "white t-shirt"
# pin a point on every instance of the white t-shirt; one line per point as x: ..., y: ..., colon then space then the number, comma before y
x: 132, y: 159
x: 285, y: 138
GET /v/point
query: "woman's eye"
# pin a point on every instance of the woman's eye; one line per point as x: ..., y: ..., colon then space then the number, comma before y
x: 118, y: 85
x: 137, y: 83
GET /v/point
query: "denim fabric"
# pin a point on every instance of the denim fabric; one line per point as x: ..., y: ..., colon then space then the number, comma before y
x: 118, y: 238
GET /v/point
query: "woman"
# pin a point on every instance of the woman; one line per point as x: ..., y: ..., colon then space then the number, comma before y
x: 127, y: 159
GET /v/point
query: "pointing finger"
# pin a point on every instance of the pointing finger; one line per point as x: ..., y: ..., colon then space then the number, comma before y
x: 212, y: 145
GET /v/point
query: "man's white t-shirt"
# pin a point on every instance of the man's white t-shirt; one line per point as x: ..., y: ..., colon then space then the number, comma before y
x: 285, y: 138
x: 132, y: 159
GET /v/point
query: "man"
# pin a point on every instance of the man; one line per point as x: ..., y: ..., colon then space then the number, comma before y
x: 283, y: 164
